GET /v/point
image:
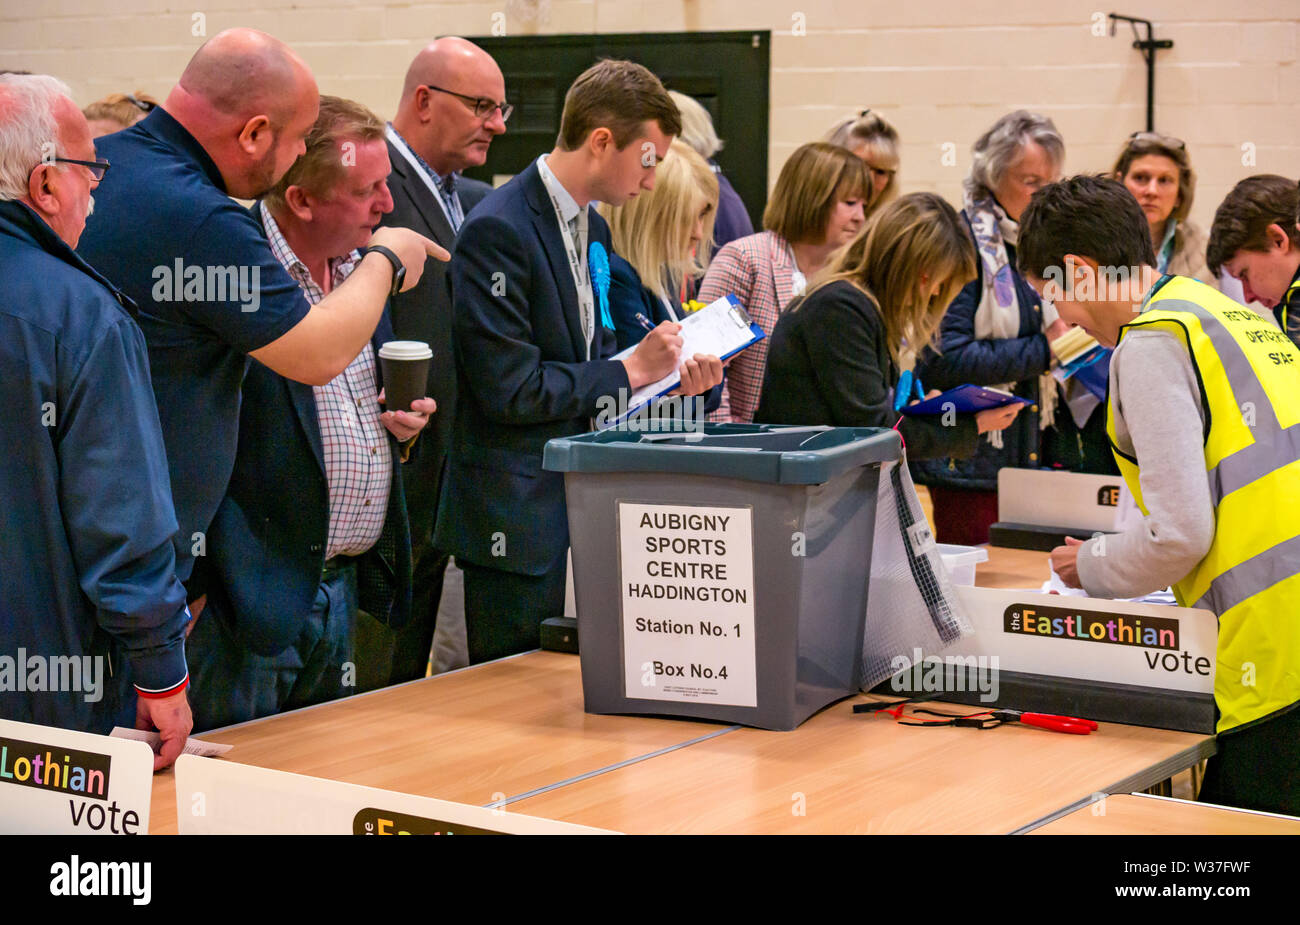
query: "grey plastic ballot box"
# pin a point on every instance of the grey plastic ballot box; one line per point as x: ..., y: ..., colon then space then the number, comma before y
x: 722, y: 574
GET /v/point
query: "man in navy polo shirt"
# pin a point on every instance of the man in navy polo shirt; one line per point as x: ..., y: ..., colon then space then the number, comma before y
x: 85, y: 521
x: 211, y: 293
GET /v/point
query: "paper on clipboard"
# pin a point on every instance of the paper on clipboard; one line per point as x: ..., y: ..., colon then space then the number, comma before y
x: 720, y: 329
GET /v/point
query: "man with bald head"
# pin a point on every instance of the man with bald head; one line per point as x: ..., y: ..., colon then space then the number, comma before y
x: 452, y: 106
x: 88, y: 521
x: 211, y: 293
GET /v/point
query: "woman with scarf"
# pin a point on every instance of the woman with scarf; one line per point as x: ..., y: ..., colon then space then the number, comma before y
x: 996, y: 333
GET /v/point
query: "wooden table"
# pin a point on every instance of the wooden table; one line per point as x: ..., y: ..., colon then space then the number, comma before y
x: 477, y: 735
x: 1141, y: 814
x: 1012, y: 568
x: 515, y: 730
x: 849, y: 773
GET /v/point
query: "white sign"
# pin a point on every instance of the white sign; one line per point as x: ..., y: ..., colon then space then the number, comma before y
x: 219, y: 797
x: 1118, y: 642
x: 60, y: 782
x: 686, y: 576
x: 1070, y: 500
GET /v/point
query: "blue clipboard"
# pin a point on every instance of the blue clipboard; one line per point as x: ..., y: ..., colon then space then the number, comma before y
x: 965, y: 399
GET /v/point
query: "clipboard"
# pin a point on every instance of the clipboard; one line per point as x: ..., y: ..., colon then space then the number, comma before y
x: 722, y: 328
x: 965, y: 399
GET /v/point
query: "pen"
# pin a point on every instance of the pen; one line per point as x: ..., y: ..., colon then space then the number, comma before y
x: 644, y: 322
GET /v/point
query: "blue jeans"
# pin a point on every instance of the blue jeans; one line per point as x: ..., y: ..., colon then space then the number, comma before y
x: 229, y: 684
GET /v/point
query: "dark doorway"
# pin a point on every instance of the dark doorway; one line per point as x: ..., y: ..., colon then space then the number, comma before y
x: 725, y: 71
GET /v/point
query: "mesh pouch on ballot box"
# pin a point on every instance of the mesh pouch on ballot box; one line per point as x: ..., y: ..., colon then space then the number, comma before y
x: 911, y: 603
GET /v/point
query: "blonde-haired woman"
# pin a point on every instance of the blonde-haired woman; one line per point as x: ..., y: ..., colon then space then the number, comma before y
x: 871, y: 138
x: 1157, y: 171
x: 662, y: 241
x: 733, y: 219
x: 117, y: 111
x: 836, y: 352
x: 818, y: 205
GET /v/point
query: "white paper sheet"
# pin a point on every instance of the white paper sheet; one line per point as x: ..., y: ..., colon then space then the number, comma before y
x: 154, y: 740
x: 718, y: 329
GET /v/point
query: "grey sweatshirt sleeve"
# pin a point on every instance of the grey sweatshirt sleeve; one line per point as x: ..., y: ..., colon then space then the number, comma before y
x: 1161, y: 423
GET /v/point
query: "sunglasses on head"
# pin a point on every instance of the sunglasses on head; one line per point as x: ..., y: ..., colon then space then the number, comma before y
x: 1167, y: 140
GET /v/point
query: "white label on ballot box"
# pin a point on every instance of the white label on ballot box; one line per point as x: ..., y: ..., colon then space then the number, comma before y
x: 60, y: 782
x: 218, y: 797
x: 687, y: 583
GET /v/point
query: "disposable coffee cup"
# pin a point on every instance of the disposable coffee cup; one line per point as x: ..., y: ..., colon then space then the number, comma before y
x: 405, y: 365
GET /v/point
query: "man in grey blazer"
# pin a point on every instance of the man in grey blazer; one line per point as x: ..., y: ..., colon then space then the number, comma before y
x: 452, y: 106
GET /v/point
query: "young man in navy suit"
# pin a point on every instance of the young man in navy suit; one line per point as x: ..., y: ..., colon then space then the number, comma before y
x: 532, y: 353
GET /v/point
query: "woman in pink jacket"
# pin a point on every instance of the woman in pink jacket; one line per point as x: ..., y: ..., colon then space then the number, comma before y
x: 817, y: 206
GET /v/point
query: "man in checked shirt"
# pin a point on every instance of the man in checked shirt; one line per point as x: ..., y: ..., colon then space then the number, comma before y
x: 314, y: 523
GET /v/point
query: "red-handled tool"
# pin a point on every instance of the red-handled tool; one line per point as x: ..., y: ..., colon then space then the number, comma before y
x: 1070, y: 724
x: 986, y: 719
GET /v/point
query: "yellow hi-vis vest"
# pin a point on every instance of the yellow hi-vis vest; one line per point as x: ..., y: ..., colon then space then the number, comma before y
x: 1249, y: 374
x: 1289, y: 309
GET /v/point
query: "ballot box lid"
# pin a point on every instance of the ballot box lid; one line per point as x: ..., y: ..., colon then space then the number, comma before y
x: 787, y: 455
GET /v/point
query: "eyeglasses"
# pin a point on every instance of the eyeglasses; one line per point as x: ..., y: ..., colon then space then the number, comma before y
x: 142, y: 105
x: 481, y: 105
x: 97, y: 168
x: 1168, y: 141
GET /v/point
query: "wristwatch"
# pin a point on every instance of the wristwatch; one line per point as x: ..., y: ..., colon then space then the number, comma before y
x: 399, y: 271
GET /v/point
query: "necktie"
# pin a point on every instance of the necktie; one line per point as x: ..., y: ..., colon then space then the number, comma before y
x: 447, y: 186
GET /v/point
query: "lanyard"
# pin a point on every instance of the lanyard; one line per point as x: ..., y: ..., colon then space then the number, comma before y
x: 578, y: 267
x: 409, y: 156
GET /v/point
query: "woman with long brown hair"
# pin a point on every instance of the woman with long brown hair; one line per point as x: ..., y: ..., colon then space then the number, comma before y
x: 836, y: 353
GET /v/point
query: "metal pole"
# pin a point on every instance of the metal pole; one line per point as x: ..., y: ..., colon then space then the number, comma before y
x: 1147, y: 47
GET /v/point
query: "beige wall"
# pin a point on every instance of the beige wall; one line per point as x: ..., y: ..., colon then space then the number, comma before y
x: 941, y: 70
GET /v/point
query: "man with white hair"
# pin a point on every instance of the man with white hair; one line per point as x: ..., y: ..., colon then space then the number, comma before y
x: 87, y: 518
x: 211, y: 293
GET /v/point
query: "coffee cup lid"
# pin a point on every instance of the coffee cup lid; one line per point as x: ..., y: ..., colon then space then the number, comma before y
x: 405, y: 350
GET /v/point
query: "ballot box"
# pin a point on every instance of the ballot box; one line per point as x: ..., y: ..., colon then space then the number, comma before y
x: 722, y: 574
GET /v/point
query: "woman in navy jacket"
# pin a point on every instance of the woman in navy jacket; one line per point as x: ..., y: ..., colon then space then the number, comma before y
x: 996, y: 333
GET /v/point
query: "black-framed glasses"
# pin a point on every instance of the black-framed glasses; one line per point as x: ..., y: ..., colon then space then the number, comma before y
x: 98, y: 168
x: 481, y: 105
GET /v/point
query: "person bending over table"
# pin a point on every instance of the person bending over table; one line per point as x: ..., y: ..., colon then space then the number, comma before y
x: 661, y: 242
x: 1255, y: 239
x: 835, y: 353
x: 1204, y: 395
